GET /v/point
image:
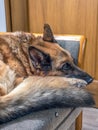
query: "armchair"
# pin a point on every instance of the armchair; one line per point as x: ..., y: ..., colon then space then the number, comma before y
x: 55, y: 119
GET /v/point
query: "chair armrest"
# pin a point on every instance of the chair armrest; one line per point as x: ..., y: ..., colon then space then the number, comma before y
x: 93, y: 88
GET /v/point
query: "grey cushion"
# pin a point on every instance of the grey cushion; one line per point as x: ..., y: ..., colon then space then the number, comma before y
x: 72, y: 47
x: 54, y: 119
x: 44, y: 120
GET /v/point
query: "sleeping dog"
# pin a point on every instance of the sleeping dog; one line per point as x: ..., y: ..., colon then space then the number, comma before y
x: 37, y: 74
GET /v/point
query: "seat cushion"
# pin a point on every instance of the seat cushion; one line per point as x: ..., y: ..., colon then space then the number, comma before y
x: 44, y: 120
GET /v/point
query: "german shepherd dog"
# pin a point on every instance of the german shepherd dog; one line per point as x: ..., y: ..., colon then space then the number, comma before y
x: 37, y: 74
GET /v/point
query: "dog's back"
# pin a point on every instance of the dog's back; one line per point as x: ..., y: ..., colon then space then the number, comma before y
x: 14, y: 52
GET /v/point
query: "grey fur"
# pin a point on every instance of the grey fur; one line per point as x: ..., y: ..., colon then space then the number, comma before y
x: 45, y: 99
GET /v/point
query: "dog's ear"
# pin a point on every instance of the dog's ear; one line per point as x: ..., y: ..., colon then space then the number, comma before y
x: 48, y: 34
x: 40, y: 60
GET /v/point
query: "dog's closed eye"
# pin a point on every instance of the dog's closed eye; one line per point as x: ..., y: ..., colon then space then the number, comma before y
x: 66, y: 66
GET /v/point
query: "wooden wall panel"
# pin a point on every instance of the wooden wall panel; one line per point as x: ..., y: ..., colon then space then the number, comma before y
x: 8, y: 15
x: 68, y: 17
x: 17, y: 15
x: 96, y: 50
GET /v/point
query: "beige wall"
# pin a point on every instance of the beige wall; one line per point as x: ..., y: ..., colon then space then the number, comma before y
x: 65, y: 17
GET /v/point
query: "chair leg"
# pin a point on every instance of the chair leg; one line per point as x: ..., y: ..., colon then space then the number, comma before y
x: 78, y: 125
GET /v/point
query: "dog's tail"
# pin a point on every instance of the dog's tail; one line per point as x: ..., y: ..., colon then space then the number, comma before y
x: 35, y: 96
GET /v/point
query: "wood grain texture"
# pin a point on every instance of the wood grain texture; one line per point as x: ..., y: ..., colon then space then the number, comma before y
x: 8, y: 15
x: 78, y: 124
x: 18, y: 14
x: 90, y: 119
x: 96, y: 50
x: 68, y: 17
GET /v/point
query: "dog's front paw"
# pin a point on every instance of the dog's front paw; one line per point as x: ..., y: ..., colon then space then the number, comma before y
x: 77, y: 82
x: 80, y: 84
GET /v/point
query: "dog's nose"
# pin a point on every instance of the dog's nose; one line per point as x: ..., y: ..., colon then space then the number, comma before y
x: 88, y: 78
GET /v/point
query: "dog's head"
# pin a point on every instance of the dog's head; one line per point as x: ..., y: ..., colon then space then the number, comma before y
x: 48, y: 58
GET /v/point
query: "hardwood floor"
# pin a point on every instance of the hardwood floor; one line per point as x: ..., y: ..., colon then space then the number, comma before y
x: 90, y: 119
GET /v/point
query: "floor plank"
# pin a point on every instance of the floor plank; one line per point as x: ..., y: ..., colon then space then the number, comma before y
x: 90, y: 119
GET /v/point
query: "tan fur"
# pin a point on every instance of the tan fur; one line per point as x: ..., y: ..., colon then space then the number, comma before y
x: 7, y: 78
x: 15, y: 53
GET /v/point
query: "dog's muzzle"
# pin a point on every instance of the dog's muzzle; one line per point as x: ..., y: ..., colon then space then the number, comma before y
x: 85, y: 77
x: 80, y: 74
